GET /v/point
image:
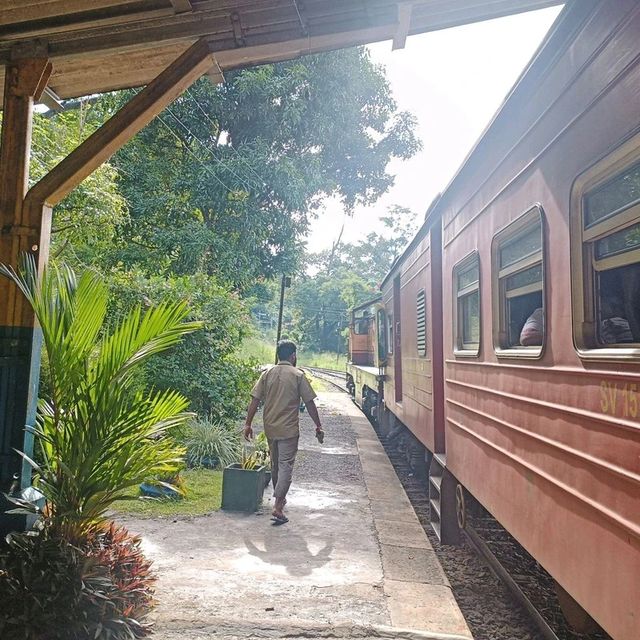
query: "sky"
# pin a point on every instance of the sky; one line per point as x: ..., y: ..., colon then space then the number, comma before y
x: 453, y: 81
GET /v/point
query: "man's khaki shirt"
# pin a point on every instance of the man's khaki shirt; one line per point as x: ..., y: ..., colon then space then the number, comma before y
x: 280, y: 388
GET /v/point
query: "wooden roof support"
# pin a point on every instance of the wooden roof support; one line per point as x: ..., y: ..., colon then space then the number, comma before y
x: 23, y: 81
x: 25, y: 78
x: 404, y: 24
x: 181, y: 6
x: 137, y: 113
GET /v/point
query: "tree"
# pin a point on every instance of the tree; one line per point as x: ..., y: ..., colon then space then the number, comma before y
x: 226, y: 179
x: 204, y: 366
x: 85, y: 222
x: 344, y: 277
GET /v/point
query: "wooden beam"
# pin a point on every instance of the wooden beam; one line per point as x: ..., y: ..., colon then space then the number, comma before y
x: 137, y: 113
x: 404, y: 24
x: 181, y: 6
x: 19, y: 231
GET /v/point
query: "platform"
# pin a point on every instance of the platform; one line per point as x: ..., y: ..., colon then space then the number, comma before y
x: 353, y: 562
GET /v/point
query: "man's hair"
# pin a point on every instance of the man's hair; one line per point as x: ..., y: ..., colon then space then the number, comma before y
x: 286, y: 348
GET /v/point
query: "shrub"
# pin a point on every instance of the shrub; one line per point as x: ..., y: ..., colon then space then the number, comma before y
x: 130, y: 593
x: 52, y: 590
x: 204, y: 367
x: 208, y: 439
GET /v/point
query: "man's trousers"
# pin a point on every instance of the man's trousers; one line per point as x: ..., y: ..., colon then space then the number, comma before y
x: 283, y: 456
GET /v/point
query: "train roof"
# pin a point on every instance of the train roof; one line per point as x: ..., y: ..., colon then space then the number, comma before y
x: 368, y: 303
x: 557, y: 40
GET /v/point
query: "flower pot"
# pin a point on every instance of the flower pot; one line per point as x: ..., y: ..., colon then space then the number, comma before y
x: 242, y: 488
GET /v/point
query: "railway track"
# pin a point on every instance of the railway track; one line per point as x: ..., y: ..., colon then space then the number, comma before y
x: 333, y: 377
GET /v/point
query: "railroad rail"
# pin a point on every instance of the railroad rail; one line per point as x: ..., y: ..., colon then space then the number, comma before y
x: 331, y: 376
x: 483, y: 550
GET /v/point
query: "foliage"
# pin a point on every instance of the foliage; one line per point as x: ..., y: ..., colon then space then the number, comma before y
x: 262, y: 449
x: 206, y: 440
x: 97, y: 199
x: 53, y: 590
x: 226, y: 180
x: 203, y: 495
x: 250, y: 460
x: 130, y: 596
x: 204, y: 367
x: 345, y: 276
x: 98, y: 433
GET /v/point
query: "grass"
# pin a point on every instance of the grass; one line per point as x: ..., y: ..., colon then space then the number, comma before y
x: 264, y: 351
x: 261, y: 350
x: 318, y: 384
x: 324, y: 360
x: 204, y: 494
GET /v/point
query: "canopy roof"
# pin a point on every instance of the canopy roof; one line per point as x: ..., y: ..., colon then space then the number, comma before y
x: 101, y: 45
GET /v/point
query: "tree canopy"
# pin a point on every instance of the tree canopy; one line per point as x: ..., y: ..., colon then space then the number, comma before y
x: 226, y: 180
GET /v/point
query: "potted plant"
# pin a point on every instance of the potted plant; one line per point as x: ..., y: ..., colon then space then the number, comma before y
x: 243, y: 484
x: 262, y: 450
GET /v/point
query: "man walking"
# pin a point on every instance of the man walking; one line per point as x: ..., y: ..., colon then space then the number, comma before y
x: 281, y: 388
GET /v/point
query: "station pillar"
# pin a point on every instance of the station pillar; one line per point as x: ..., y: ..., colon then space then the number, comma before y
x: 20, y: 231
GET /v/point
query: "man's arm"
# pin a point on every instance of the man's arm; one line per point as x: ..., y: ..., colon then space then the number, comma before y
x: 313, y: 413
x: 251, y: 412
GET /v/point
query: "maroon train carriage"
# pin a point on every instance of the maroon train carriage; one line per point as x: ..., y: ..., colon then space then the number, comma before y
x: 367, y: 354
x: 513, y: 318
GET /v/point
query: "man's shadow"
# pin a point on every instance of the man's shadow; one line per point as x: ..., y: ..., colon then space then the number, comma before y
x: 290, y: 551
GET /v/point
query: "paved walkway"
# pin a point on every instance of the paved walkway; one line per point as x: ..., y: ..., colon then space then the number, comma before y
x: 353, y: 562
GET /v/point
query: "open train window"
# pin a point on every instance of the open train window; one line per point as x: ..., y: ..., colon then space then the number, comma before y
x: 466, y: 280
x: 421, y: 323
x: 607, y: 257
x: 519, y: 317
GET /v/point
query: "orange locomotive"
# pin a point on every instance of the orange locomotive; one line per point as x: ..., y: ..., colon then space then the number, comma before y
x: 513, y: 318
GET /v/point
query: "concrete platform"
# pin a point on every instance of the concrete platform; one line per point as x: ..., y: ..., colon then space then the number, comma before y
x: 353, y: 562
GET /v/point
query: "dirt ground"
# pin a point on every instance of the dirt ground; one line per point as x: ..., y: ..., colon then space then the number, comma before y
x: 335, y: 570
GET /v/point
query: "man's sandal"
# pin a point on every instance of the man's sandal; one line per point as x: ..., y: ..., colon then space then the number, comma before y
x: 278, y: 520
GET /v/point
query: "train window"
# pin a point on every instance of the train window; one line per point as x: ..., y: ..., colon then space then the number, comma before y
x: 361, y: 326
x: 390, y: 327
x: 519, y: 290
x: 421, y: 322
x: 610, y: 230
x: 467, y: 294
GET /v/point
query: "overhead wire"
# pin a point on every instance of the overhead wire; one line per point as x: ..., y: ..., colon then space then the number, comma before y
x: 191, y: 153
x: 241, y: 157
x: 207, y: 149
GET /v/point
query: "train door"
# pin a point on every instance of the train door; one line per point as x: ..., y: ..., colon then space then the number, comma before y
x: 397, y: 340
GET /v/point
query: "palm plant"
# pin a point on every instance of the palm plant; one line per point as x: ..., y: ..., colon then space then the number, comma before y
x: 98, y: 433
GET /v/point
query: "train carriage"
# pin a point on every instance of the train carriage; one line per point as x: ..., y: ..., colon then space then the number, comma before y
x: 513, y: 318
x: 367, y: 355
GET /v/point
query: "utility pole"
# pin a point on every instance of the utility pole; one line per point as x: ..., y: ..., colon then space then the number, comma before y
x: 286, y: 282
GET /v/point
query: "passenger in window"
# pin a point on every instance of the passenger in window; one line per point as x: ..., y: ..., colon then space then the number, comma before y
x: 614, y: 327
x: 533, y: 329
